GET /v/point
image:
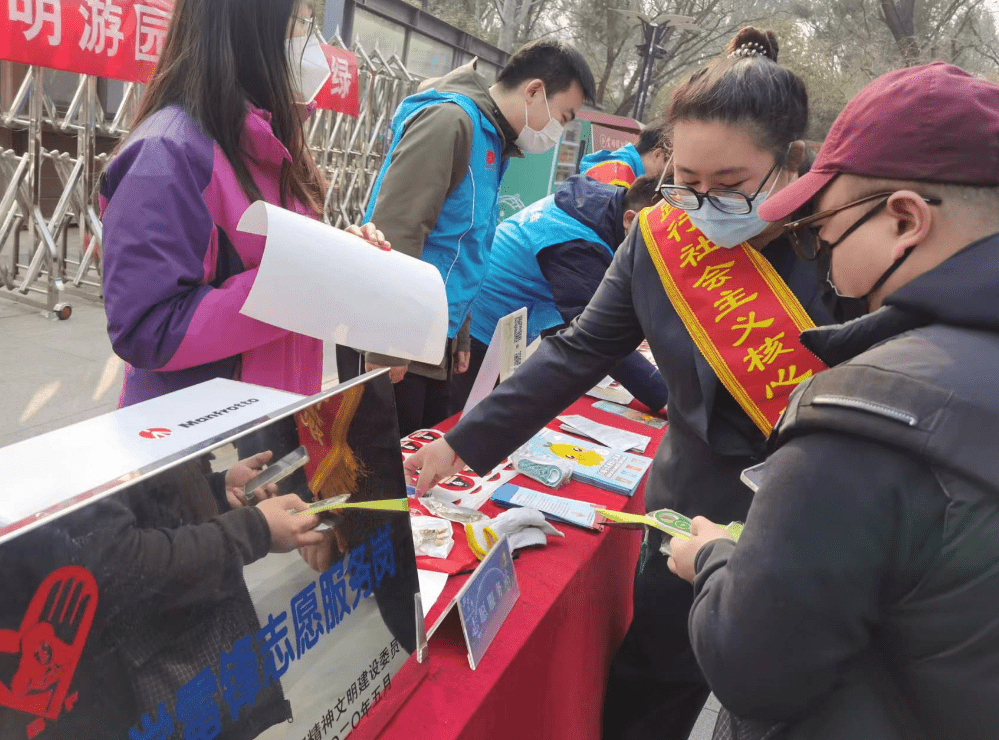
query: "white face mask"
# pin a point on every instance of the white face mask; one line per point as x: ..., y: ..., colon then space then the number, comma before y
x: 308, y: 66
x: 537, y: 142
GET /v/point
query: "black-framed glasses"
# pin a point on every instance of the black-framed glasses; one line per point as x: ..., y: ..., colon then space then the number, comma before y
x: 734, y: 202
x: 804, y: 234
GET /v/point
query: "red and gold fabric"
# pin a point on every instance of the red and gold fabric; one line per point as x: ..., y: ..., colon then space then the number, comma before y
x: 332, y: 469
x: 613, y: 172
x: 739, y: 312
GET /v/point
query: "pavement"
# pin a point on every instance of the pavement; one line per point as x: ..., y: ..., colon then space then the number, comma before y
x: 55, y: 373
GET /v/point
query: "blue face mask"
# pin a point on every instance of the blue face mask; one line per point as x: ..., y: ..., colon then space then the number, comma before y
x: 726, y: 229
x: 729, y: 230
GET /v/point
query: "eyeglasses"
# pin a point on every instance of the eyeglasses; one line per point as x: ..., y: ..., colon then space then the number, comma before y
x: 734, y: 202
x: 301, y: 26
x: 804, y: 234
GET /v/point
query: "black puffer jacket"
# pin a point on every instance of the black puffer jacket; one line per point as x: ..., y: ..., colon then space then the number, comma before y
x: 861, y: 598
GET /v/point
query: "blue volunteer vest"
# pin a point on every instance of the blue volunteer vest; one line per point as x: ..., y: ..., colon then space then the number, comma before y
x: 460, y: 242
x: 515, y: 278
x: 627, y: 154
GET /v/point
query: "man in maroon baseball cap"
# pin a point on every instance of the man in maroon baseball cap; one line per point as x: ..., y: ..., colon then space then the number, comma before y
x: 860, y: 599
x: 913, y: 157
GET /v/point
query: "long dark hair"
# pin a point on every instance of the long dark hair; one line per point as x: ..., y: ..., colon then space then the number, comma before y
x: 220, y: 55
x: 747, y: 86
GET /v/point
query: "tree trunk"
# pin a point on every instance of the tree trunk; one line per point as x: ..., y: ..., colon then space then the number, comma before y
x: 630, y: 93
x: 509, y: 10
x: 609, y: 63
x: 514, y: 26
x: 626, y: 106
x: 899, y: 16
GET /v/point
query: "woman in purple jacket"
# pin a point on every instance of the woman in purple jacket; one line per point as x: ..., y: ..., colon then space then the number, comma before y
x: 219, y: 127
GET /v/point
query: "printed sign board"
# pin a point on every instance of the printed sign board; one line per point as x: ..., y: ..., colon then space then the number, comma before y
x: 166, y: 605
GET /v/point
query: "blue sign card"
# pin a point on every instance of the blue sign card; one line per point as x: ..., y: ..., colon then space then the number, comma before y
x: 486, y: 599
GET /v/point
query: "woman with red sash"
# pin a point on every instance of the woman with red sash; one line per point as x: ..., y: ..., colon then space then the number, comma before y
x: 721, y: 298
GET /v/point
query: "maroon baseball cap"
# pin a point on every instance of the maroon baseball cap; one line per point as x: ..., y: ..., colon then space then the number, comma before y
x: 935, y: 123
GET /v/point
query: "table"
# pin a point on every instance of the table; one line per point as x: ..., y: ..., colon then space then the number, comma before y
x: 544, y: 675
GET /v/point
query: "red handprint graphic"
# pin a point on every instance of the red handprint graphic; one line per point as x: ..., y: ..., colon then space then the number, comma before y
x: 50, y: 642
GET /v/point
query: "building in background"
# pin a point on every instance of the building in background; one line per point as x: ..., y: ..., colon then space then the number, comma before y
x: 427, y: 46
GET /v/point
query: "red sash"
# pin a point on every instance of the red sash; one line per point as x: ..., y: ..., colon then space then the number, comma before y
x: 740, y: 314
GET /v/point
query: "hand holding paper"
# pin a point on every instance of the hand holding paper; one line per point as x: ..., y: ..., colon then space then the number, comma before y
x: 331, y: 285
x: 396, y: 372
x: 685, y: 549
x: 289, y: 528
x: 371, y: 234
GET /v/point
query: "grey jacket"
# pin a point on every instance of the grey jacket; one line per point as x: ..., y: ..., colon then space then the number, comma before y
x: 429, y: 162
x: 861, y: 598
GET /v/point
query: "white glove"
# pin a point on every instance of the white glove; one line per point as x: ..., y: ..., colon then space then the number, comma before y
x: 523, y: 526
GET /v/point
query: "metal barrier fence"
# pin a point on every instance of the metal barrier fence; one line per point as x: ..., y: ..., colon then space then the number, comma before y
x: 44, y: 262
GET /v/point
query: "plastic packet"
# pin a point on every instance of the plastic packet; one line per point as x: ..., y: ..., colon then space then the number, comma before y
x: 451, y: 512
x: 432, y: 537
x: 551, y: 472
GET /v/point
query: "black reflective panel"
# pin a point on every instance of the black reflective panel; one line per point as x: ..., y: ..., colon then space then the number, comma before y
x: 157, y: 612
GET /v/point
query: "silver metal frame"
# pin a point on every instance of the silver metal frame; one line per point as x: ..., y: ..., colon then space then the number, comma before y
x: 59, y: 509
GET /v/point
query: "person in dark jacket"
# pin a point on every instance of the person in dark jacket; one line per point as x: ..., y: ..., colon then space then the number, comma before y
x: 551, y: 257
x: 736, y: 130
x: 860, y: 599
x: 437, y: 195
x: 166, y: 556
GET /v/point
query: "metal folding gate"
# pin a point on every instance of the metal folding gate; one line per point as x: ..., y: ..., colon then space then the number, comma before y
x: 42, y: 266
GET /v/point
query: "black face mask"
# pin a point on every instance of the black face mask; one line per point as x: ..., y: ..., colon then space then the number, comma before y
x: 826, y: 247
x: 878, y: 283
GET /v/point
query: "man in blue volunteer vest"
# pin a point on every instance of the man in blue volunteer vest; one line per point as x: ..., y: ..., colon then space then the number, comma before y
x: 551, y: 257
x: 437, y: 195
x: 625, y: 165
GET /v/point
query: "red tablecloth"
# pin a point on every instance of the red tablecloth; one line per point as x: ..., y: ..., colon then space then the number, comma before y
x: 544, y: 674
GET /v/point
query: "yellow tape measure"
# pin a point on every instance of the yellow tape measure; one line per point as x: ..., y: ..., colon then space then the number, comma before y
x: 391, y: 504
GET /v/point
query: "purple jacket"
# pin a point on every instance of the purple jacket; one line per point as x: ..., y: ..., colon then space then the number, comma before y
x: 176, y: 270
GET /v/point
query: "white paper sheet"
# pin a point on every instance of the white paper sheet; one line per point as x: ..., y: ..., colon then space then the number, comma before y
x: 506, y: 352
x: 575, y: 512
x: 328, y: 284
x: 609, y: 389
x: 608, y: 436
x: 431, y: 587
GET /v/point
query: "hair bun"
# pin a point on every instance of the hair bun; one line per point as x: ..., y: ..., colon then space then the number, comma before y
x: 751, y: 42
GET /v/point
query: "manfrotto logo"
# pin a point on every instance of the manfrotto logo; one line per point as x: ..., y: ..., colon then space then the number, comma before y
x: 220, y: 412
x: 155, y: 433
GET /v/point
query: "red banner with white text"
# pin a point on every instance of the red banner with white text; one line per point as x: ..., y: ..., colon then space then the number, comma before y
x: 122, y: 40
x: 342, y: 92
x: 119, y: 39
